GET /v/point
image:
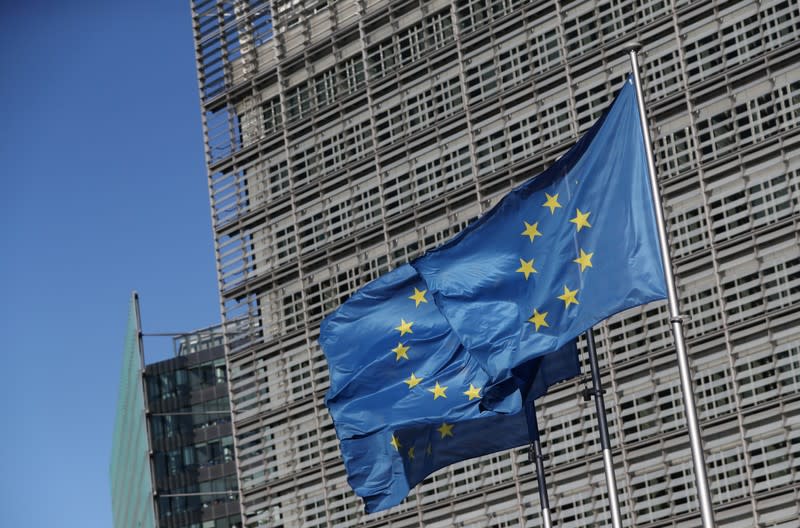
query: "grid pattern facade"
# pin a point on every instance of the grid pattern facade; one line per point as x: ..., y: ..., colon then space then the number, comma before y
x: 345, y: 138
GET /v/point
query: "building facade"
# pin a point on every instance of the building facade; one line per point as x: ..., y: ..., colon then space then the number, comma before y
x: 173, y: 459
x: 345, y: 138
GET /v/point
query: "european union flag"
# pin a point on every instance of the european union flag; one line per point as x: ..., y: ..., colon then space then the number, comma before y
x: 565, y: 250
x: 407, y: 399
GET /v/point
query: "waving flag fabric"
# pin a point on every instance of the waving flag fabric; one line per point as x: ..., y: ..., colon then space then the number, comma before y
x: 428, y: 358
x: 565, y: 250
x: 407, y: 399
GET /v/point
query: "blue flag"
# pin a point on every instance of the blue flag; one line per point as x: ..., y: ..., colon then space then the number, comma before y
x: 565, y: 250
x: 407, y: 399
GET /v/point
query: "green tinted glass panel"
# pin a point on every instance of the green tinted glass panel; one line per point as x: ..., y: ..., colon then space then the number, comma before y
x: 131, y: 481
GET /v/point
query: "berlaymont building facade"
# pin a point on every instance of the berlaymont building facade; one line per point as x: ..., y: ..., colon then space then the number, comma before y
x: 344, y: 138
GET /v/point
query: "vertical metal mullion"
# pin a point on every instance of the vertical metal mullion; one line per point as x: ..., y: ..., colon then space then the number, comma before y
x: 146, y: 405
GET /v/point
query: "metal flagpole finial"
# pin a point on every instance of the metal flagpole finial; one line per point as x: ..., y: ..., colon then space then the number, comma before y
x: 633, y: 45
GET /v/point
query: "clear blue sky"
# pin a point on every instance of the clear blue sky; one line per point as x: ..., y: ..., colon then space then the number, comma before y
x: 103, y: 192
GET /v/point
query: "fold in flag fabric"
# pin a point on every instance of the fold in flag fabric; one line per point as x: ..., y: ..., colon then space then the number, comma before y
x: 565, y: 250
x: 405, y: 396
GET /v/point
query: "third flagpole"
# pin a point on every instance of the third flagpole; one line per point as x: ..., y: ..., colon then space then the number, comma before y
x: 696, y: 441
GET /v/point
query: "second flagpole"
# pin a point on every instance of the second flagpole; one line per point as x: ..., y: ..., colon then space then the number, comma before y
x: 602, y: 425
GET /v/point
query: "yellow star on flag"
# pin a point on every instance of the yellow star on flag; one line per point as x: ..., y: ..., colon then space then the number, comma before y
x: 396, y: 443
x: 438, y: 391
x: 445, y: 430
x: 419, y: 297
x: 400, y: 350
x: 411, y: 453
x: 413, y: 381
x: 404, y: 328
x: 569, y: 297
x: 526, y: 267
x: 473, y: 392
x: 531, y: 230
x: 585, y: 260
x: 552, y: 203
x: 539, y: 319
x: 581, y: 220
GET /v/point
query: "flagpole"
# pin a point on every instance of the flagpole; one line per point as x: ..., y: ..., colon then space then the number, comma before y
x: 696, y: 441
x: 602, y: 425
x: 537, y: 457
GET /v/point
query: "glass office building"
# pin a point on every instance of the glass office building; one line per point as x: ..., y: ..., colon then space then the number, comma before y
x: 345, y: 138
x: 173, y: 460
